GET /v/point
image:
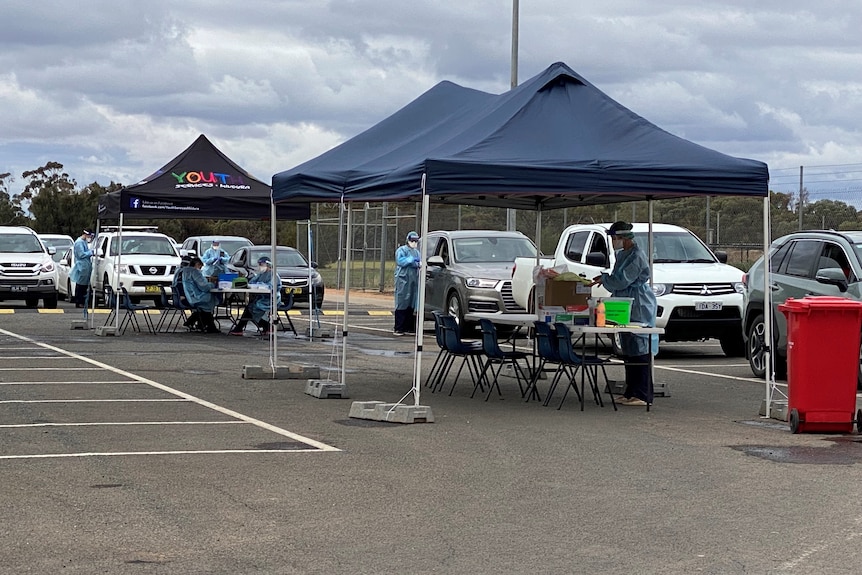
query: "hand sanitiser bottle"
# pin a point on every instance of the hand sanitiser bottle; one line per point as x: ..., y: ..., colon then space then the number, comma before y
x: 600, y: 314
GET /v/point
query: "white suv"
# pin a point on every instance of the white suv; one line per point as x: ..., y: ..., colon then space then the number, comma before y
x: 146, y: 261
x: 27, y: 271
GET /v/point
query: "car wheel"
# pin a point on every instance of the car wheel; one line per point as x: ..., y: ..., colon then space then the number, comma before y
x: 31, y: 302
x: 455, y: 308
x: 531, y: 301
x: 50, y: 301
x: 733, y: 345
x: 756, y: 349
x: 757, y: 355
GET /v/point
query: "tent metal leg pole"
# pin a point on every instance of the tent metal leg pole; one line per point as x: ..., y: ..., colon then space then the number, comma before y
x: 348, y: 247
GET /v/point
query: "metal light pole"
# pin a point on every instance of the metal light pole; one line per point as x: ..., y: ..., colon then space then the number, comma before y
x: 511, y: 215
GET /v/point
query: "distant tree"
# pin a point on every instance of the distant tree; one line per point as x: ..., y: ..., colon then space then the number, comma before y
x: 10, y: 213
x: 46, y: 195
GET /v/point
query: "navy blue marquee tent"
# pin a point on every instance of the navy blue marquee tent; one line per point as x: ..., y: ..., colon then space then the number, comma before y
x: 554, y: 141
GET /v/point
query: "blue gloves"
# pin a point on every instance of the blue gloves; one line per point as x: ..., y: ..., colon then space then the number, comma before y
x: 417, y: 262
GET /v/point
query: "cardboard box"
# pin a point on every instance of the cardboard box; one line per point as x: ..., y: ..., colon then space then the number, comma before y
x: 562, y: 293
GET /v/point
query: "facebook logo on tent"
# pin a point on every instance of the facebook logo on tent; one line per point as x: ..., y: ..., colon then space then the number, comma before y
x: 134, y: 202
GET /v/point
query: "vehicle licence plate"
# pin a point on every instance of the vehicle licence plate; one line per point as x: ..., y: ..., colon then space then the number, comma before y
x: 293, y: 290
x: 18, y: 288
x: 708, y: 305
x: 151, y: 289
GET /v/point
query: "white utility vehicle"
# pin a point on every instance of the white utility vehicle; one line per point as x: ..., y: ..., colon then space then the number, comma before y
x: 699, y: 295
x: 142, y: 261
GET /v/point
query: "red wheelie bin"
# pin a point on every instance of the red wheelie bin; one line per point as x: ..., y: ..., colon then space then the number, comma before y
x: 823, y: 335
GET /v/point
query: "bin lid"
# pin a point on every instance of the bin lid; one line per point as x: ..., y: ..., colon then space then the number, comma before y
x: 820, y: 303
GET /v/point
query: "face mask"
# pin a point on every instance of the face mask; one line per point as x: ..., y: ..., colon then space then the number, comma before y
x: 618, y: 244
x: 261, y: 269
x: 412, y: 243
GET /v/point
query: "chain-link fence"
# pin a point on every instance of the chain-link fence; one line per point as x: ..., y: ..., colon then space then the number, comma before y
x: 731, y: 224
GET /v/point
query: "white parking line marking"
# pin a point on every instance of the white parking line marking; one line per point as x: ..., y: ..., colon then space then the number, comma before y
x: 112, y: 423
x: 33, y: 357
x: 67, y: 382
x: 51, y: 368
x: 705, y: 373
x: 125, y: 453
x: 223, y: 410
x: 91, y: 400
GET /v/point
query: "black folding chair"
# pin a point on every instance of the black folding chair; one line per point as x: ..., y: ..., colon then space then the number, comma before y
x: 573, y: 361
x: 132, y: 309
x: 283, y: 308
x: 494, y: 355
x: 170, y: 313
x: 470, y: 353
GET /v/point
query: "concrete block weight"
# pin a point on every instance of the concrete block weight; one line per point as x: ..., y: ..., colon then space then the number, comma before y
x: 281, y: 372
x: 326, y: 389
x: 392, y: 412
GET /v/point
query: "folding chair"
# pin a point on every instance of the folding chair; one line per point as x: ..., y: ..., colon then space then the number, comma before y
x: 589, y: 363
x: 169, y: 312
x: 131, y: 310
x: 470, y: 353
x: 548, y: 352
x: 283, y: 308
x: 439, y: 361
x: 494, y: 355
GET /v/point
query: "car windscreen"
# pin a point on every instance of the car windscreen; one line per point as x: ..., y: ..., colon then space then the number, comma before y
x: 147, y: 245
x: 61, y: 245
x: 675, y: 247
x: 20, y: 244
x: 283, y: 258
x: 231, y: 246
x: 491, y: 249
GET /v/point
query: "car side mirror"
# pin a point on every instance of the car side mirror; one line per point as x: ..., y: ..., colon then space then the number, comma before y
x: 832, y: 276
x: 101, y: 253
x: 721, y: 256
x: 597, y: 259
x: 436, y: 261
x: 52, y: 250
x: 314, y: 265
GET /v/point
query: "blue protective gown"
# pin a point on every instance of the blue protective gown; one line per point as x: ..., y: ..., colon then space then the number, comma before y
x: 406, y: 277
x: 214, y: 262
x: 260, y: 304
x: 83, y: 267
x: 197, y: 289
x: 630, y: 278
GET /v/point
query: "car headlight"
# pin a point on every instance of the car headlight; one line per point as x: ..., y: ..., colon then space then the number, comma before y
x: 316, y: 279
x: 48, y: 267
x: 124, y: 269
x: 739, y: 287
x: 481, y: 283
x: 661, y: 289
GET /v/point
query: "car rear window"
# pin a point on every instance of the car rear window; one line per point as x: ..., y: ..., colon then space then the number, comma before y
x: 486, y: 250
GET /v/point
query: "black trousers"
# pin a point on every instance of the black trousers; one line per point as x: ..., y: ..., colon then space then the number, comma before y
x: 639, y: 377
x: 405, y: 320
x: 80, y: 295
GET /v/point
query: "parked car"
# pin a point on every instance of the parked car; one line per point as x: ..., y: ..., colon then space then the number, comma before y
x: 59, y: 242
x: 699, y: 296
x: 147, y: 261
x: 64, y: 267
x: 820, y: 263
x: 471, y: 271
x: 200, y: 244
x: 27, y: 269
x: 297, y: 275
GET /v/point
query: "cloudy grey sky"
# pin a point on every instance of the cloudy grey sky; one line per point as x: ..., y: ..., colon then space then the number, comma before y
x: 114, y: 89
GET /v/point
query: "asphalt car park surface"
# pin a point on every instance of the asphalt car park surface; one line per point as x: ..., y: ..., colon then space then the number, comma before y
x: 151, y: 454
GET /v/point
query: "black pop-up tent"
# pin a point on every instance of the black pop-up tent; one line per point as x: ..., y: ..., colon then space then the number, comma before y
x: 554, y: 141
x: 201, y: 182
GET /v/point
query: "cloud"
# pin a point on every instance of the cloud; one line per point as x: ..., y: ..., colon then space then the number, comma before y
x: 114, y: 90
